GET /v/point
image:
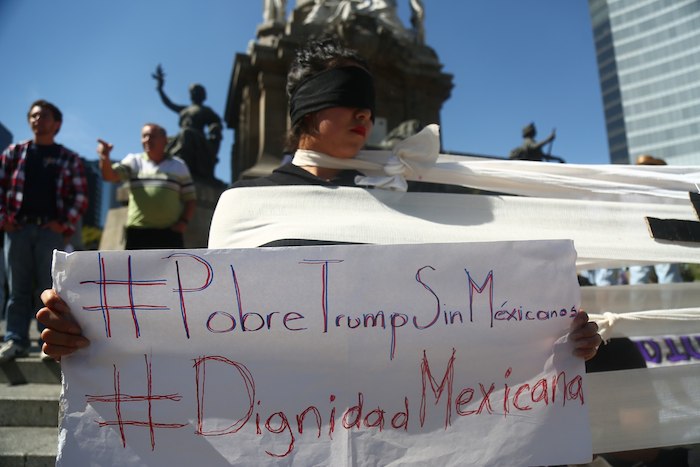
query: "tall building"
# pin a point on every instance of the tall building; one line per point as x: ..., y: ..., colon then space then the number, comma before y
x: 648, y: 54
x: 5, y: 137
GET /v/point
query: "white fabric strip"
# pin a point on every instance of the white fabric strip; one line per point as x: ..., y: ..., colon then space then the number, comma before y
x: 648, y: 323
x: 635, y: 409
x: 415, y: 159
x: 644, y: 310
x: 388, y: 170
x: 628, y: 183
x: 642, y: 297
x: 604, y: 233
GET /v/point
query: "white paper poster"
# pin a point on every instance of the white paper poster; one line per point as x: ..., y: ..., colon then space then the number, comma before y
x: 453, y: 354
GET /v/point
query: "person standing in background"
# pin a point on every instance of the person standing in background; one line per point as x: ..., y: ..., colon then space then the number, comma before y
x: 162, y: 197
x: 43, y: 194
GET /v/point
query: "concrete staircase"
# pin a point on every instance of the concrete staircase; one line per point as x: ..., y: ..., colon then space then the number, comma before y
x: 29, y: 392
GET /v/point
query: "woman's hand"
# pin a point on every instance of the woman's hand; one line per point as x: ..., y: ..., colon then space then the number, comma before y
x: 62, y: 335
x: 585, y: 337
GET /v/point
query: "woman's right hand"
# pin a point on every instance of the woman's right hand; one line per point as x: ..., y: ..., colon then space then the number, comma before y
x: 62, y: 335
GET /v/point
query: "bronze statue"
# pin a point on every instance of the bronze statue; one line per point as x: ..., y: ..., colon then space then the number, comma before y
x: 531, y: 150
x: 198, y: 141
x: 418, y: 20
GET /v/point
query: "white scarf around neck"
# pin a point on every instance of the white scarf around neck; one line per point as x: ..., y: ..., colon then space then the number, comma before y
x: 383, y: 169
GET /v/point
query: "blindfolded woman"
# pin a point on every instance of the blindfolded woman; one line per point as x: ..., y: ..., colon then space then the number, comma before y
x: 331, y: 105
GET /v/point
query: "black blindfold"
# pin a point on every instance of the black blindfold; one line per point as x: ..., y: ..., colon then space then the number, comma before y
x: 349, y: 86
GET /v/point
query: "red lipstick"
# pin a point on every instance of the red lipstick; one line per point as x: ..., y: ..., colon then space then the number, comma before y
x: 360, y: 130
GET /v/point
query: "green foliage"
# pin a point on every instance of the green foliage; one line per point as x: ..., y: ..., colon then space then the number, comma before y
x: 690, y: 272
x: 91, y: 237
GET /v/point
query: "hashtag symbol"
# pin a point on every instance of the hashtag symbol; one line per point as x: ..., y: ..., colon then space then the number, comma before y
x: 118, y: 399
x: 120, y: 284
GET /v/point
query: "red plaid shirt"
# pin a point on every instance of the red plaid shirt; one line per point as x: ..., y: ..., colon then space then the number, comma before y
x: 71, y: 185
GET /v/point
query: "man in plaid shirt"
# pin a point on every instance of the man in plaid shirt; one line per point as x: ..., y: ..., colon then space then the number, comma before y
x: 43, y: 194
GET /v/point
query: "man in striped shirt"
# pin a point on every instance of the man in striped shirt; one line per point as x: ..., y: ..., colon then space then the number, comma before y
x: 162, y: 195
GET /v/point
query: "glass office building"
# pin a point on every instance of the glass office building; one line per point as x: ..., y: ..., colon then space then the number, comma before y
x: 648, y: 54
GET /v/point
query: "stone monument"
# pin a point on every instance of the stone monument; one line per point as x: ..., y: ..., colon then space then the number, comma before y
x: 409, y: 80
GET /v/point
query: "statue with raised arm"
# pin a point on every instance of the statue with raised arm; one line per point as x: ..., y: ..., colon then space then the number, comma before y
x: 418, y: 20
x: 198, y: 141
x: 531, y: 150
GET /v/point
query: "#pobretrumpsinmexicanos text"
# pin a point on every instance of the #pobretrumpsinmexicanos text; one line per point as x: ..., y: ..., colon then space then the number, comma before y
x: 244, y: 321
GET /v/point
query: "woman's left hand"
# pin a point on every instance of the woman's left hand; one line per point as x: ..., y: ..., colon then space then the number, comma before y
x: 584, y: 335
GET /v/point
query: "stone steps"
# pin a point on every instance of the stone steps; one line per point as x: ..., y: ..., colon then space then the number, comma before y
x: 28, y: 446
x: 32, y: 404
x: 30, y: 370
x: 29, y: 393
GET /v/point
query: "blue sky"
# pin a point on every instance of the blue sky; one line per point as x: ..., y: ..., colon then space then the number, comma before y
x: 513, y: 61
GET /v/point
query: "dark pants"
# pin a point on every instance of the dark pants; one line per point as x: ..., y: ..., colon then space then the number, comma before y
x: 28, y: 255
x: 152, y: 239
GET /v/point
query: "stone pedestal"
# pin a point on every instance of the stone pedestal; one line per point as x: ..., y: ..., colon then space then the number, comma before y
x: 197, y: 233
x: 113, y: 231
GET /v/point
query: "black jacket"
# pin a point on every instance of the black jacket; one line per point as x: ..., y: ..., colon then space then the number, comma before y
x: 290, y: 174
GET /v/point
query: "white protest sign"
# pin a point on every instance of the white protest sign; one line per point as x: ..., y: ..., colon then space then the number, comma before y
x: 337, y: 355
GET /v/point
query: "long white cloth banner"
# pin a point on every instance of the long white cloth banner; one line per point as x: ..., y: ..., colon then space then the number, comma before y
x: 416, y: 158
x: 648, y: 323
x: 605, y: 233
x: 662, y: 319
x: 340, y: 355
x: 624, y: 183
x: 645, y: 408
x: 640, y: 297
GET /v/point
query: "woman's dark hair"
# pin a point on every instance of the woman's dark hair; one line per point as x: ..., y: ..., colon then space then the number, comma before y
x: 313, y: 58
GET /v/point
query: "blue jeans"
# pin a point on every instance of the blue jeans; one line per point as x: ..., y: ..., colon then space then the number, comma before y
x: 666, y: 273
x: 605, y: 276
x: 2, y: 284
x: 28, y: 255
